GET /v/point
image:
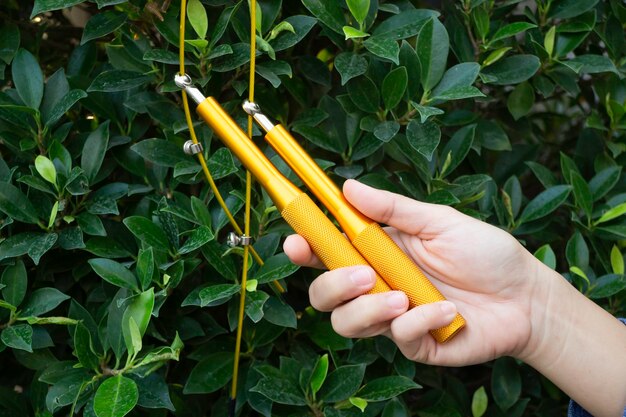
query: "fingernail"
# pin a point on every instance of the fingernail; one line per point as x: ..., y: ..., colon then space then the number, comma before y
x: 396, y: 300
x: 448, y: 309
x: 362, y: 277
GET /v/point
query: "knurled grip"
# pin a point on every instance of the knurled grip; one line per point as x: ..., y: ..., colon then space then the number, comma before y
x: 401, y: 273
x: 326, y: 241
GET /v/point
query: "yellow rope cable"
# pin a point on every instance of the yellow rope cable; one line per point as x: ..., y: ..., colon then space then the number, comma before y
x: 244, y: 275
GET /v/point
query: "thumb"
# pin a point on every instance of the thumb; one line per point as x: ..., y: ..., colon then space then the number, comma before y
x: 403, y: 213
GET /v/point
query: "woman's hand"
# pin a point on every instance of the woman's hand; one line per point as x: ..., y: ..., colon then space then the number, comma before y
x: 483, y: 271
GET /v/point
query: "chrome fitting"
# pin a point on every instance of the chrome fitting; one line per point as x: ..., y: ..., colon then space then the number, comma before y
x: 184, y: 82
x: 254, y: 110
x: 191, y: 148
x: 234, y: 240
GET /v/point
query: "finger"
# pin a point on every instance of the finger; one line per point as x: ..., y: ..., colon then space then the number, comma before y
x: 401, y: 212
x: 369, y: 315
x: 299, y: 252
x: 333, y: 288
x: 417, y: 322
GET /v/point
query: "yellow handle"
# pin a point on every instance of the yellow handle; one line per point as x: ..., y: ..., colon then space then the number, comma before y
x: 327, y: 242
x: 402, y: 274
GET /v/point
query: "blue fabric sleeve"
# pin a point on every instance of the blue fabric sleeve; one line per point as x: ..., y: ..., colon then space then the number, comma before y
x: 577, y: 411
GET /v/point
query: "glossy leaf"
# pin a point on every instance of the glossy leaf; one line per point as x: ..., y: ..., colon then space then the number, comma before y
x: 16, y: 205
x: 42, y: 301
x: 94, y: 150
x: 102, y: 24
x: 118, y: 80
x: 19, y: 336
x: 28, y: 78
x: 423, y: 137
x: 385, y: 388
x: 148, y: 232
x: 506, y: 383
x: 15, y: 281
x: 114, y: 273
x: 210, y: 374
x: 115, y: 397
x: 342, y: 383
x: 350, y: 65
x: 432, y: 51
x: 394, y: 87
x: 511, y: 70
x: 545, y: 203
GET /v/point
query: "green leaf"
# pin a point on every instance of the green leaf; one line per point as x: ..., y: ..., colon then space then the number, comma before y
x: 301, y: 25
x: 42, y: 301
x: 359, y: 403
x: 134, y: 345
x: 83, y: 348
x: 148, y: 232
x: 41, y: 245
x: 145, y: 267
x: 115, y: 397
x: 511, y: 29
x: 546, y: 255
x: 114, y: 273
x: 566, y: 9
x: 606, y: 286
x: 548, y: 42
x: 591, y: 64
x: 492, y: 136
x: 479, y: 402
x: 280, y: 390
x: 18, y: 336
x: 153, y: 391
x: 16, y: 205
x: 458, y: 147
x: 423, y: 137
x: 582, y: 193
x: 351, y: 33
x: 359, y: 9
x: 545, y: 203
x: 279, y: 313
x: 386, y: 131
x: 604, y: 181
x: 350, y: 65
x: 160, y: 152
x: 432, y: 50
x: 318, y: 376
x: 511, y: 70
x: 274, y: 268
x: 196, y: 13
x: 118, y: 80
x: 459, y: 93
x: 364, y: 94
x: 611, y: 214
x: 217, y: 294
x: 63, y: 106
x: 342, y: 383
x: 210, y: 374
x: 506, y: 383
x: 48, y: 5
x: 94, y: 150
x: 46, y: 169
x: 200, y: 236
x: 15, y: 281
x: 394, y: 87
x: 384, y: 388
x: 404, y: 25
x: 384, y: 48
x: 460, y: 75
x: 521, y: 100
x: 28, y: 78
x: 617, y: 260
x: 426, y: 112
x: 9, y: 42
x: 101, y: 24
x: 328, y: 12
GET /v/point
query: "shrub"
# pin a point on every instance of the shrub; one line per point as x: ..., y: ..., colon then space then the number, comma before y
x: 118, y: 291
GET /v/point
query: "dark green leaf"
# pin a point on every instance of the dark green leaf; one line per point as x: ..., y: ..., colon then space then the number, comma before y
x: 275, y: 268
x: 506, y: 383
x: 423, y: 137
x: 511, y: 70
x: 48, y: 5
x: 28, y: 78
x: 404, y: 25
x: 386, y: 387
x: 160, y: 152
x: 16, y: 205
x: 458, y: 147
x: 432, y: 51
x: 385, y: 131
x: 364, y: 94
x: 93, y: 151
x: 114, y: 273
x: 210, y: 374
x: 604, y: 181
x: 582, y: 193
x: 255, y: 302
x: 607, y: 286
x: 545, y: 203
x: 328, y: 12
x: 492, y: 136
x: 350, y: 65
x: 15, y: 281
x: 566, y: 9
x: 279, y: 313
x: 118, y: 80
x: 394, y: 87
x: 42, y: 301
x: 200, y: 236
x: 63, y: 106
x: 41, y: 245
x: 511, y: 29
x: 153, y: 391
x: 148, y: 232
x: 102, y: 24
x: 460, y: 75
x: 18, y: 336
x: 384, y: 48
x: 115, y: 397
x: 217, y: 294
x: 342, y: 383
x: 83, y: 348
x: 521, y: 100
x: 9, y: 42
x: 280, y: 390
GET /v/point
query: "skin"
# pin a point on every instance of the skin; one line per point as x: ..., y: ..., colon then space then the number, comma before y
x: 513, y: 304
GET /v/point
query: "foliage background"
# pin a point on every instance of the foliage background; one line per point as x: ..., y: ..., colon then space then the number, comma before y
x: 118, y: 294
